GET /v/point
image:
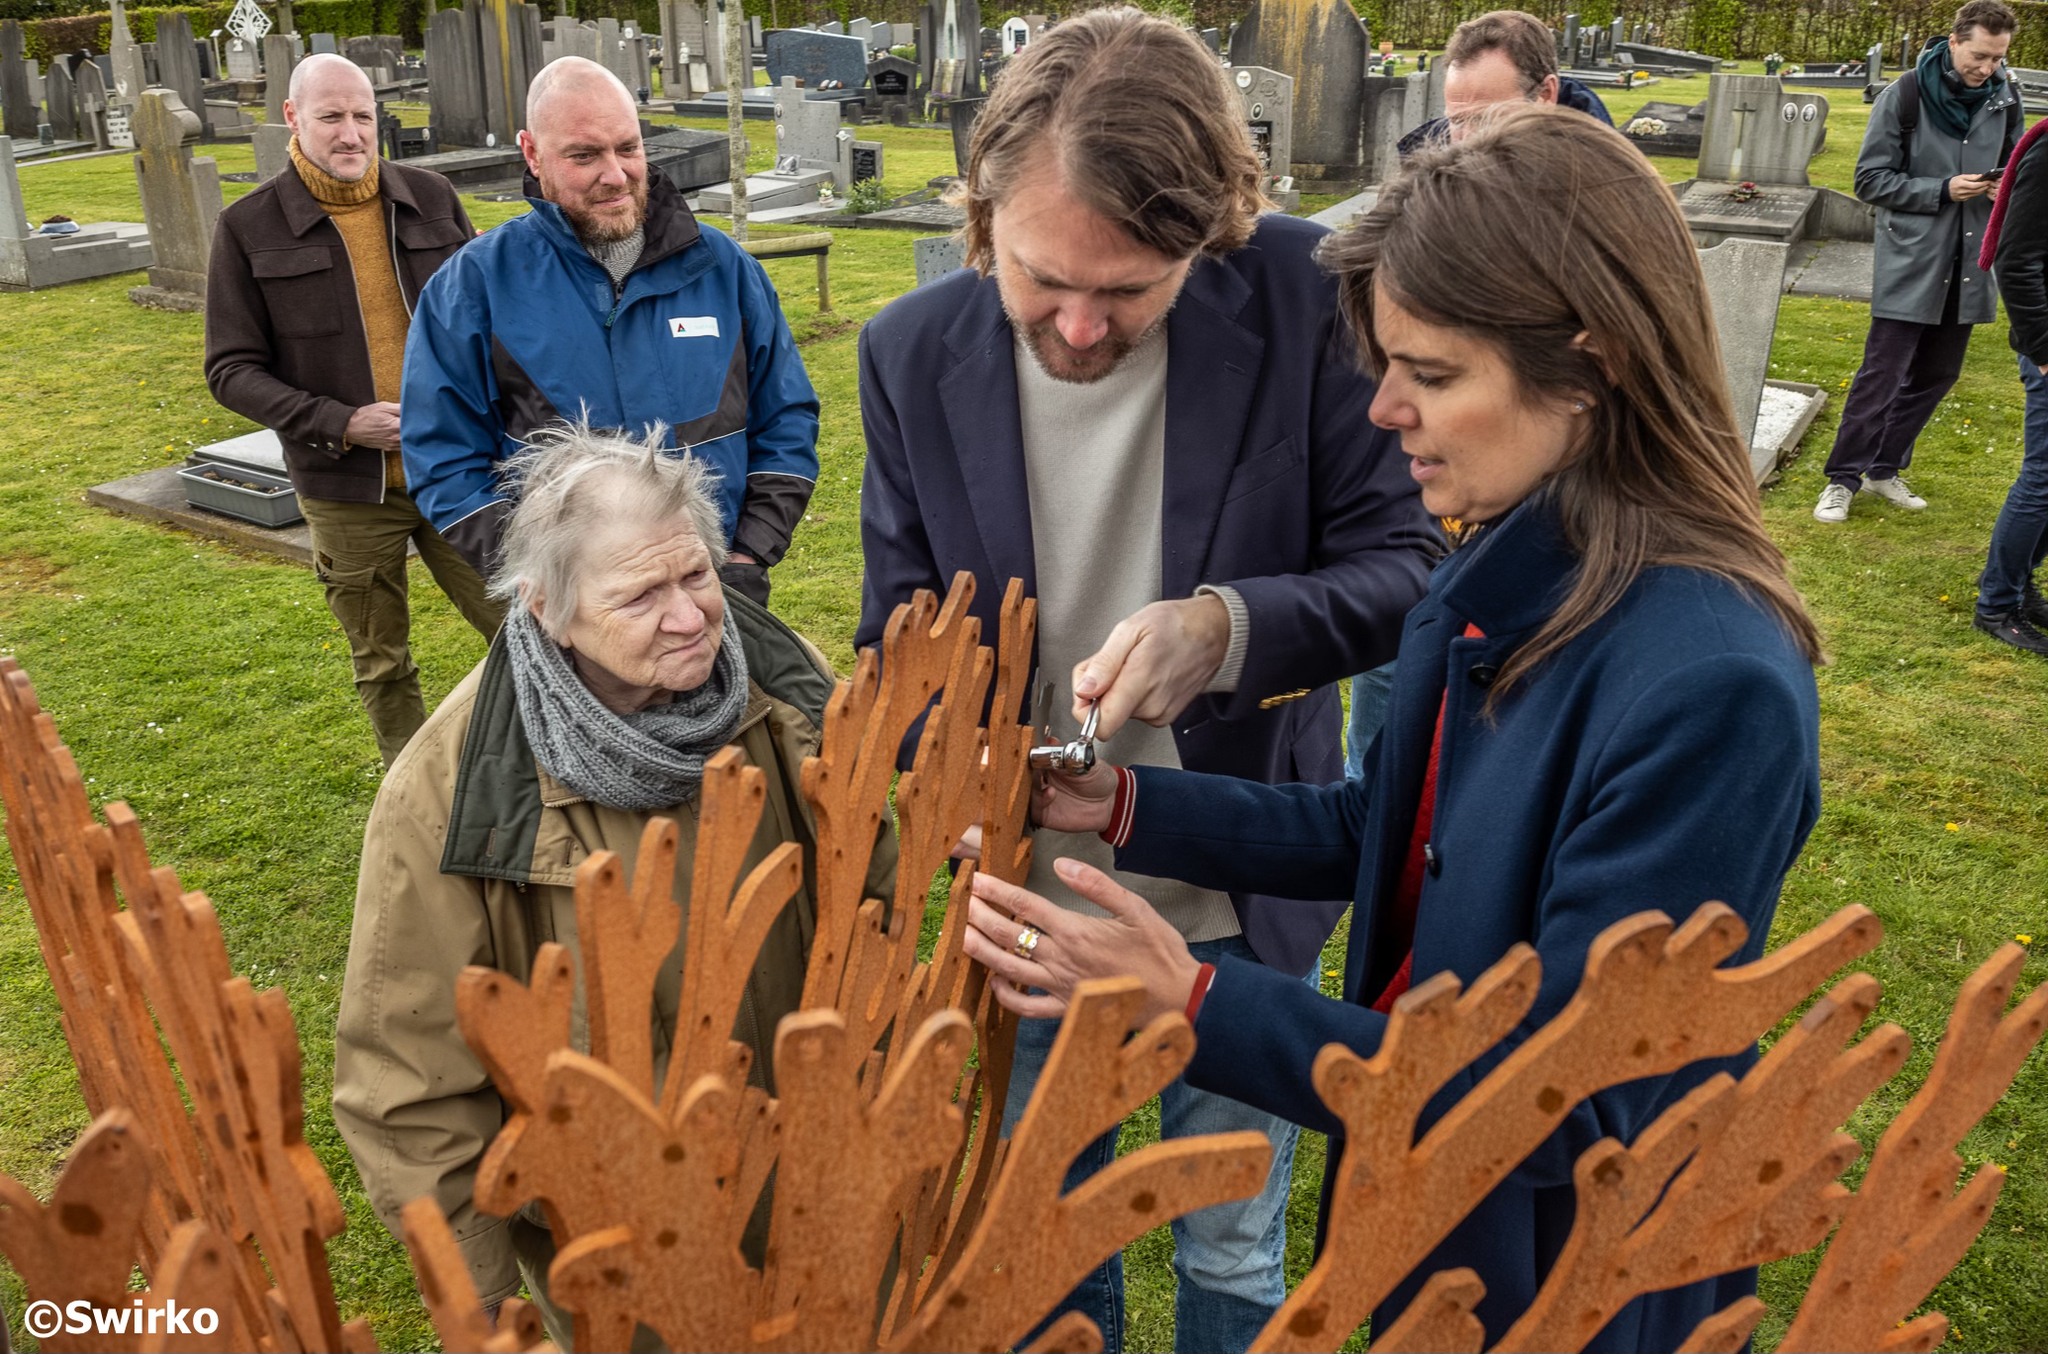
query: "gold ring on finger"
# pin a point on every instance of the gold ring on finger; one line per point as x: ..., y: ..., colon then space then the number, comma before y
x: 1027, y: 942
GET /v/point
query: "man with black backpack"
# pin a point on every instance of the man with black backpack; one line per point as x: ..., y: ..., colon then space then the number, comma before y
x: 1938, y: 139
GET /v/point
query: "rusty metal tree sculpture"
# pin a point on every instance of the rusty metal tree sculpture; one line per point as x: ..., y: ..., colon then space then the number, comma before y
x: 896, y: 1218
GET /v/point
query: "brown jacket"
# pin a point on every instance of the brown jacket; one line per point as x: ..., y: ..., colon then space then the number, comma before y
x: 470, y: 858
x: 284, y: 333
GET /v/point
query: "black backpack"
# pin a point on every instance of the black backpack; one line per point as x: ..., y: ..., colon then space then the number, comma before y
x: 1909, y: 117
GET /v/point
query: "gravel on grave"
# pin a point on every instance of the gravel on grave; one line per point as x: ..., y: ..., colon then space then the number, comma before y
x: 1779, y: 413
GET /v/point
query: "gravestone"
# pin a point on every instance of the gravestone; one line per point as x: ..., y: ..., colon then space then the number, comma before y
x: 18, y: 118
x: 242, y: 61
x: 955, y: 32
x: 1395, y: 105
x: 180, y: 202
x: 1683, y: 128
x: 455, y: 85
x: 1639, y: 55
x: 280, y: 55
x: 177, y: 63
x: 325, y: 45
x: 819, y: 60
x: 1016, y: 35
x: 1267, y: 99
x: 1324, y: 46
x: 128, y: 75
x: 810, y: 150
x: 891, y: 83
x: 1745, y: 278
x: 273, y: 142
x: 866, y: 161
x: 881, y: 36
x: 686, y: 27
x: 91, y: 90
x: 30, y: 260
x: 637, y: 61
x: 60, y: 102
x: 1617, y: 34
x: 1568, y: 45
x: 938, y: 255
x: 864, y: 30
x: 1758, y: 130
x: 834, y: 27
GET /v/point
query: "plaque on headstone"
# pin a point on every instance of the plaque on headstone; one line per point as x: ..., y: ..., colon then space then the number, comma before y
x: 867, y: 160
x: 1267, y: 98
x: 891, y: 79
x: 1324, y: 45
x: 819, y: 60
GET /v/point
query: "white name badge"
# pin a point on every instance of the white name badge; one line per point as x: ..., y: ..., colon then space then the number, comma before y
x: 693, y: 326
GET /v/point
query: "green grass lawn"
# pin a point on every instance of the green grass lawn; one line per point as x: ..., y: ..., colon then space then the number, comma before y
x: 210, y: 689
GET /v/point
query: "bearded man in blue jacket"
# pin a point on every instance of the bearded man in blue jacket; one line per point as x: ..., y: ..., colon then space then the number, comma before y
x: 608, y: 303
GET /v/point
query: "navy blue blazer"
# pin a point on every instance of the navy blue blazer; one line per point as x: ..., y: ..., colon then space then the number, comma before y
x: 1276, y: 483
x: 1665, y: 758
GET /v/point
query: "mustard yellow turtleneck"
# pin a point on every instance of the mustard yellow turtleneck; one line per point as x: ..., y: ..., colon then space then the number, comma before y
x: 358, y: 213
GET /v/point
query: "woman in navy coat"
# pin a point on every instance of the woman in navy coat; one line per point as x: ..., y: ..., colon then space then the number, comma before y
x: 1605, y: 703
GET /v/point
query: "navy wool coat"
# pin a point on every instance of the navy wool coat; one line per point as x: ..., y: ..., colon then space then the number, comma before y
x: 1667, y: 757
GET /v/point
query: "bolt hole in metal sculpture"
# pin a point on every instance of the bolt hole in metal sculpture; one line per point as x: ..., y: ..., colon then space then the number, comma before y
x: 896, y: 1223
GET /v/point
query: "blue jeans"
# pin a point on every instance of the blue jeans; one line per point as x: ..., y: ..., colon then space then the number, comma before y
x: 2020, y: 538
x: 1370, y: 693
x: 1227, y: 1258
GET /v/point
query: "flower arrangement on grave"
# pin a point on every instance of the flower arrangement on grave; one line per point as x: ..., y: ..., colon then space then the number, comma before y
x: 1745, y: 192
x: 1646, y: 127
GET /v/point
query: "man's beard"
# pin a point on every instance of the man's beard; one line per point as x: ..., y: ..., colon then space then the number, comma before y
x: 592, y: 228
x: 1074, y: 366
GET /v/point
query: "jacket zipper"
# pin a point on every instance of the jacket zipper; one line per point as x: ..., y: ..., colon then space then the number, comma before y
x: 363, y: 319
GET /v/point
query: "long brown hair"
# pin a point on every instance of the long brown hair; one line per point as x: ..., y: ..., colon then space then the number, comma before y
x: 1540, y: 225
x: 1142, y: 124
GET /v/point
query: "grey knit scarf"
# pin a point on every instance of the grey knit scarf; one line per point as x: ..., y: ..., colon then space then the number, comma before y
x: 618, y: 257
x: 650, y: 759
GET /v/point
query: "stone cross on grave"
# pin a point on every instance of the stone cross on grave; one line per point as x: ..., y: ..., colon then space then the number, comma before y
x: 180, y: 201
x: 1742, y: 112
x: 248, y: 22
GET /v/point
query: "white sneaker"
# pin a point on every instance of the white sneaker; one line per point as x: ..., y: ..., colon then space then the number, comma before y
x: 1834, y: 504
x: 1895, y: 492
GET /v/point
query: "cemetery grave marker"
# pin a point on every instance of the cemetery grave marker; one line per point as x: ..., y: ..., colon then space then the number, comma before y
x: 180, y: 201
x: 938, y: 255
x: 60, y: 101
x: 177, y: 62
x: 91, y: 90
x: 1324, y: 46
x: 1267, y: 101
x: 18, y: 118
x: 1759, y: 133
x: 819, y: 60
x: 1745, y: 279
x: 280, y: 56
x: 30, y: 261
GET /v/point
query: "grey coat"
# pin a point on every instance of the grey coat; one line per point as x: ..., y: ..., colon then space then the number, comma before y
x: 1919, y: 230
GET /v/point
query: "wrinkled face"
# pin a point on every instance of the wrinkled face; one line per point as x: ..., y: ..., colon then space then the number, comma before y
x: 1977, y: 54
x: 1475, y: 445
x: 336, y: 121
x: 1488, y: 79
x: 586, y: 152
x: 649, y: 616
x: 1080, y: 291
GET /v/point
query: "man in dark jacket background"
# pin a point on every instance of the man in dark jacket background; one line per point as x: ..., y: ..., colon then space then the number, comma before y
x: 309, y: 299
x: 1504, y: 56
x: 607, y: 304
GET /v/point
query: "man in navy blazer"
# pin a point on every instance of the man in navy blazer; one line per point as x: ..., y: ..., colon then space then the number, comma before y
x: 1140, y: 400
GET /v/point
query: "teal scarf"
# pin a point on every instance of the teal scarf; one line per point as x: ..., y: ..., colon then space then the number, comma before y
x: 1946, y: 101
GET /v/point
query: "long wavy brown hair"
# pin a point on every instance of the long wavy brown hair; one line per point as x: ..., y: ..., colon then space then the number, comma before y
x: 1539, y: 226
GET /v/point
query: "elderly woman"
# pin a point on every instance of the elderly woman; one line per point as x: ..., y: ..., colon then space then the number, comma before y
x: 622, y: 667
x: 1605, y: 703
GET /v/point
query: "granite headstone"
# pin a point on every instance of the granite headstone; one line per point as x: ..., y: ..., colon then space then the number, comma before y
x: 1324, y: 45
x: 1757, y: 130
x: 819, y: 60
x: 18, y: 116
x: 180, y: 201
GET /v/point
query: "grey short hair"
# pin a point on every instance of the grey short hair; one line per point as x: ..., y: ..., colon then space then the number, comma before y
x: 571, y: 477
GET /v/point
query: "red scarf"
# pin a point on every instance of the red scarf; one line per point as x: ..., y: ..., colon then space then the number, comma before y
x: 2012, y: 171
x: 1400, y: 923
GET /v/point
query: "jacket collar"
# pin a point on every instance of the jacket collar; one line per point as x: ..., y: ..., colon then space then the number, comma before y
x: 1212, y: 373
x: 671, y: 226
x: 302, y: 211
x: 1513, y: 577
